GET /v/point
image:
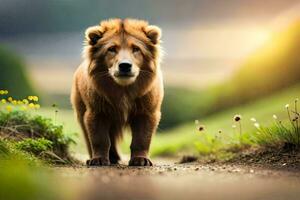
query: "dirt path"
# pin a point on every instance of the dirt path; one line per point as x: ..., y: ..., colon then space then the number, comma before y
x: 182, y: 181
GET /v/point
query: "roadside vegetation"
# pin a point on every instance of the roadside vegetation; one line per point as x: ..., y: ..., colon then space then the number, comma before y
x: 28, y: 144
x: 24, y: 132
x: 219, y: 134
x: 278, y: 135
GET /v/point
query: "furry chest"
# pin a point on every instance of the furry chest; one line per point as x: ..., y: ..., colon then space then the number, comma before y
x: 125, y: 107
x: 119, y: 109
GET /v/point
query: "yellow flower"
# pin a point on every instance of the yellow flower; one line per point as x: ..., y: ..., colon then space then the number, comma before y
x: 10, y: 99
x: 14, y: 102
x: 29, y: 98
x: 37, y: 106
x: 3, y: 101
x: 25, y: 101
x: 35, y: 98
x: 9, y: 108
x: 31, y: 105
x: 2, y: 92
x: 20, y: 102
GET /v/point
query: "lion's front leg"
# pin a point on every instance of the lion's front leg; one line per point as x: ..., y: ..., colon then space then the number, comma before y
x: 98, y: 131
x: 143, y: 126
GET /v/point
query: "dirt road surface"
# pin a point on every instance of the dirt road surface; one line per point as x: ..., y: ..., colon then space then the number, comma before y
x: 167, y: 180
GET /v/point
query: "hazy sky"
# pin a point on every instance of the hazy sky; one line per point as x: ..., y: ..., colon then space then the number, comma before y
x: 22, y: 16
x: 226, y: 29
x: 211, y: 29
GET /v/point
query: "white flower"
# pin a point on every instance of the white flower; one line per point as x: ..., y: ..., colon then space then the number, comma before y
x: 201, y: 128
x: 196, y: 121
x: 257, y: 125
x: 237, y: 118
x: 253, y: 119
x: 275, y: 117
x: 287, y: 105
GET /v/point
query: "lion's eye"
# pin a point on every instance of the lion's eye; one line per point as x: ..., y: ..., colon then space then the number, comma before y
x: 112, y: 49
x: 135, y: 49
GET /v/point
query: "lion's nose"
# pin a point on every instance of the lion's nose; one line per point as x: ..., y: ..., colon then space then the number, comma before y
x: 125, y: 67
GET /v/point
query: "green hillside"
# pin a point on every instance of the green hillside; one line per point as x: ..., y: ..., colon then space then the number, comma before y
x: 13, y: 75
x: 272, y: 68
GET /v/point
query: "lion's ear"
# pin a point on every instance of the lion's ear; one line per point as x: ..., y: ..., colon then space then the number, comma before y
x: 153, y: 33
x: 93, y: 34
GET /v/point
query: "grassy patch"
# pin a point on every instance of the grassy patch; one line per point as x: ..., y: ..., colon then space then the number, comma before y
x: 9, y: 152
x: 36, y: 135
x: 35, y: 146
x: 26, y: 131
x: 28, y: 143
x: 279, y: 134
x: 185, y: 138
x: 67, y: 119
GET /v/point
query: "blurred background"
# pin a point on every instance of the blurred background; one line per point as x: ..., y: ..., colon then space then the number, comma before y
x: 219, y: 55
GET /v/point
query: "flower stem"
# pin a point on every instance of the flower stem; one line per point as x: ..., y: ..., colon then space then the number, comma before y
x: 290, y: 118
x: 297, y: 122
x: 240, y: 125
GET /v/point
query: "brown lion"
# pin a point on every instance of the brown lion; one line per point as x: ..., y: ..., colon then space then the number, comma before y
x: 119, y: 84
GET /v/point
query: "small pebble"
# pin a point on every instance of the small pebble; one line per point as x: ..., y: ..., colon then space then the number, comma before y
x: 105, y: 179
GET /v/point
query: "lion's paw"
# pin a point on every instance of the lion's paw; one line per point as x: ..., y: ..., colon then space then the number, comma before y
x: 140, y: 161
x: 98, y: 161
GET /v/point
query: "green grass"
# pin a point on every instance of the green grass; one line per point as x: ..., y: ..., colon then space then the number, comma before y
x: 182, y: 139
x: 67, y: 119
x: 35, y: 135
